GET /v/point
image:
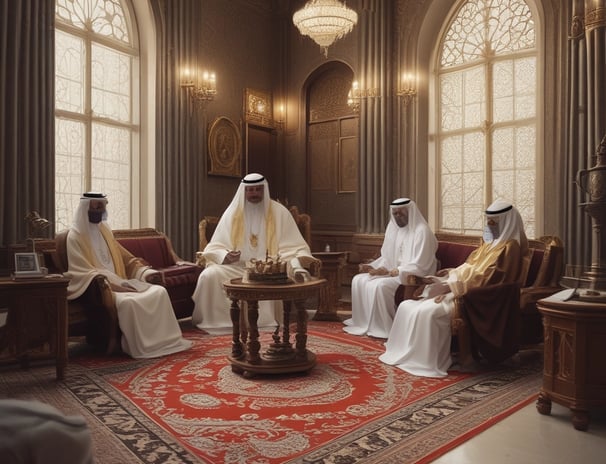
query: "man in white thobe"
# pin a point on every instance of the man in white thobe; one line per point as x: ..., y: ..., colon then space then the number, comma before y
x: 419, y: 341
x: 409, y: 248
x: 145, y: 314
x: 252, y: 227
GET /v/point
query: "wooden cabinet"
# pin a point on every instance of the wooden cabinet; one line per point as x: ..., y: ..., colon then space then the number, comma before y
x: 333, y: 266
x: 36, y: 321
x: 574, y: 373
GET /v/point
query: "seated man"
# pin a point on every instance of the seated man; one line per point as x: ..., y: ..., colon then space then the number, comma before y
x: 419, y: 340
x: 145, y: 314
x: 252, y: 227
x: 409, y: 247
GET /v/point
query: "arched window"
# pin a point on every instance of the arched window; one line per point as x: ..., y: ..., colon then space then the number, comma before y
x: 96, y: 116
x: 487, y: 124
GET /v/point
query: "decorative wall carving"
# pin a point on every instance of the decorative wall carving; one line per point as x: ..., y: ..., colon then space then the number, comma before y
x: 224, y: 148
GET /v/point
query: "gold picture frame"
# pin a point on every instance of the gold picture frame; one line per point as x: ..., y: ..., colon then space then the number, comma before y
x: 258, y: 108
x: 224, y: 148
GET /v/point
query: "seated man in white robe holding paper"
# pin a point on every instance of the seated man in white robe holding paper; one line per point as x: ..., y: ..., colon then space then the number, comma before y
x: 252, y: 227
x: 145, y: 314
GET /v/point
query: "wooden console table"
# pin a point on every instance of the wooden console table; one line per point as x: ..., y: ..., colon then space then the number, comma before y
x: 36, y: 322
x: 333, y: 266
x: 574, y: 373
x: 280, y: 357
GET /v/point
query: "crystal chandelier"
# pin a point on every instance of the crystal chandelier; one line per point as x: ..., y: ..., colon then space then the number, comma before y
x: 325, y: 21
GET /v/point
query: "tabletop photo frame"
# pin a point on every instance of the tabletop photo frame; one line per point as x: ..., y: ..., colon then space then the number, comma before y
x: 27, y: 266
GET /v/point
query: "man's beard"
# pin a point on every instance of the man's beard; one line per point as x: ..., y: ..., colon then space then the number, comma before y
x: 95, y: 216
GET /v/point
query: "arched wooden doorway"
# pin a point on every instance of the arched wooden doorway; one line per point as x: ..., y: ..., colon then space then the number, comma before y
x: 332, y: 156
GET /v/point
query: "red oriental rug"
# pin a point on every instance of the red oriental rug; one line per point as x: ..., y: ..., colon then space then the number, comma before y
x: 351, y: 408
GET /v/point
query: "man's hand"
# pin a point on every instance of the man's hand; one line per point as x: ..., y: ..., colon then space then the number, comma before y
x: 232, y: 257
x: 378, y: 272
x: 125, y: 287
x: 364, y: 267
x: 436, y: 279
x: 154, y: 278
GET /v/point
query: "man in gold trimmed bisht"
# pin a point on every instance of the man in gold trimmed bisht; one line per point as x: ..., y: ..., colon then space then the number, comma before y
x: 419, y: 340
x: 145, y: 314
x: 252, y: 227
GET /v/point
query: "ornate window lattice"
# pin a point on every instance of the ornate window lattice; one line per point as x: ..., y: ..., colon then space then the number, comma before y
x: 96, y: 127
x: 487, y: 107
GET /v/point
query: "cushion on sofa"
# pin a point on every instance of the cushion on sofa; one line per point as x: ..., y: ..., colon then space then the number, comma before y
x: 154, y: 250
x: 535, y: 265
x: 451, y: 255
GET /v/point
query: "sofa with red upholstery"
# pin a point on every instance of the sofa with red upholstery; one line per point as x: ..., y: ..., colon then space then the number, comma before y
x: 179, y: 277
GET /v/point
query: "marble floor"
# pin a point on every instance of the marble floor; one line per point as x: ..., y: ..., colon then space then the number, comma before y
x: 527, y: 437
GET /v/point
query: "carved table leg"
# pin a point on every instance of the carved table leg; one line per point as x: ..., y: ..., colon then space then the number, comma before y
x: 301, y: 337
x: 286, y: 327
x: 236, y: 346
x: 253, y: 343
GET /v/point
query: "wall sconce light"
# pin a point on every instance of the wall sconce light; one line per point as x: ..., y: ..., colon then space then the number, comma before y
x: 280, y: 111
x: 200, y: 90
x: 356, y: 94
x: 408, y: 91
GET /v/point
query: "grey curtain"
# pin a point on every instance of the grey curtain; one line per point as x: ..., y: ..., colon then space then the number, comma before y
x: 27, y: 139
x: 587, y: 117
x: 181, y: 130
x: 376, y: 170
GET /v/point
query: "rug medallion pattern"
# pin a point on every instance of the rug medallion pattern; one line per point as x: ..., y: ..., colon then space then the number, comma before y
x: 190, y: 407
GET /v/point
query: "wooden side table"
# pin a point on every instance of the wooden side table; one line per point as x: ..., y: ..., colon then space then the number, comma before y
x: 280, y: 357
x: 333, y: 266
x: 36, y: 323
x: 574, y: 373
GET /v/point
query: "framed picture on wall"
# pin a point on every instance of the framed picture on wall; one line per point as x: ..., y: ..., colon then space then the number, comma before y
x: 224, y: 148
x: 258, y: 108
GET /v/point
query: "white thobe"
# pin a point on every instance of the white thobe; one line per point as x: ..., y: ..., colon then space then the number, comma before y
x: 419, y: 341
x: 410, y: 250
x: 148, y: 324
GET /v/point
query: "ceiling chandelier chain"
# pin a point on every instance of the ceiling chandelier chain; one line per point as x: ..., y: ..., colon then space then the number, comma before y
x: 325, y: 21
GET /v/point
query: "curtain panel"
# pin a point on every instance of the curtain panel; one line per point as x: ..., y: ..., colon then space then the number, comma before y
x: 27, y: 139
x: 587, y: 119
